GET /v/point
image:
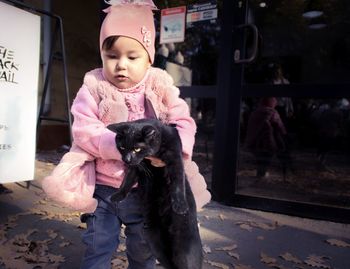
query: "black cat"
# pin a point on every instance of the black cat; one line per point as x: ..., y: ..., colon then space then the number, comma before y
x: 170, y: 210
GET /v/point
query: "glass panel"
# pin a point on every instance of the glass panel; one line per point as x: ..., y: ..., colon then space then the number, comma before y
x: 194, y: 61
x: 295, y: 149
x: 203, y: 111
x: 311, y: 47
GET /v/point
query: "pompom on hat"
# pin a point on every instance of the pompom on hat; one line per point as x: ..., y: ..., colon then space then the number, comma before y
x: 130, y: 18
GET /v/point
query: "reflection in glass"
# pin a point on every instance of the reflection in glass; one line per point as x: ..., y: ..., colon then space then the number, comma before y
x: 312, y: 43
x: 309, y: 162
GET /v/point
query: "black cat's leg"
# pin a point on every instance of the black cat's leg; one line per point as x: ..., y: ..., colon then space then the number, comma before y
x: 187, y: 255
x: 178, y: 189
x: 129, y: 181
x: 158, y: 247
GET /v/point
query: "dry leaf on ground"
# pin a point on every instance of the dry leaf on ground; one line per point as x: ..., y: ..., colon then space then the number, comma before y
x: 338, y: 243
x: 217, y: 264
x: 121, y: 247
x: 242, y: 266
x: 120, y: 262
x: 267, y: 259
x: 249, y: 225
x: 222, y: 217
x: 317, y: 261
x: 277, y: 266
x: 206, y: 249
x: 290, y: 258
x: 82, y: 226
x: 52, y: 234
x: 246, y: 226
x: 227, y: 248
x: 65, y: 244
x: 233, y: 254
x: 21, y: 252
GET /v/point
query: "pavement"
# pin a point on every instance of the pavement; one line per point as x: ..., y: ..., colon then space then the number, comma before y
x: 37, y: 233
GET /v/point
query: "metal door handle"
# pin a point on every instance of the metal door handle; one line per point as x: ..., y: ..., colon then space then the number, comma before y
x: 237, y: 52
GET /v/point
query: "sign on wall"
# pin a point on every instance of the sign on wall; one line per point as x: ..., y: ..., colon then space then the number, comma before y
x: 204, y: 12
x: 19, y: 74
x: 172, y: 25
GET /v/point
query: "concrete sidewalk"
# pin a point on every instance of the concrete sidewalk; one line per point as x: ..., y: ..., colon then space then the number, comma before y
x: 37, y: 233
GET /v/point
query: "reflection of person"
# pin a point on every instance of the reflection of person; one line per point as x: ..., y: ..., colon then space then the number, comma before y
x: 284, y: 104
x: 265, y: 134
x: 126, y: 88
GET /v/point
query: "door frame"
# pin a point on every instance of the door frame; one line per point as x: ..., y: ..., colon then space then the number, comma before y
x: 229, y: 93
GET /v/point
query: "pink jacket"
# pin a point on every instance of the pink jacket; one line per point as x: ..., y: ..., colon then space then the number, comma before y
x: 97, y: 104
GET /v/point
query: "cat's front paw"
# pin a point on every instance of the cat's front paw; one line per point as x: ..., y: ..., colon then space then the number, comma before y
x: 118, y: 196
x: 179, y: 204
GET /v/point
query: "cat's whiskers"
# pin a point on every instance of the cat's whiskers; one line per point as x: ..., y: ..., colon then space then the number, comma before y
x: 146, y: 170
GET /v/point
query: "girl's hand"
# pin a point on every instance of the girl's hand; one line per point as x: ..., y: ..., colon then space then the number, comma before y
x: 155, y: 161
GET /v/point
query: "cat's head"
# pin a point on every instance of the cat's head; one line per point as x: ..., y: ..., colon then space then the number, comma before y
x: 135, y: 141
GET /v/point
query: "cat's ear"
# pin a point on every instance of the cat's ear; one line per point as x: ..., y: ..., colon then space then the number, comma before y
x: 148, y: 131
x: 118, y: 128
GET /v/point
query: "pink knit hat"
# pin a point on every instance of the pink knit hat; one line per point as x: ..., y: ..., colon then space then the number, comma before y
x: 130, y: 18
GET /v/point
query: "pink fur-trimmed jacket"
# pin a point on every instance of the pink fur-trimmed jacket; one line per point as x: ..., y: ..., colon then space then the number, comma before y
x: 97, y: 104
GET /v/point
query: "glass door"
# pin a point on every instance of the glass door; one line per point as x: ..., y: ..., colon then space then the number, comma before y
x: 283, y: 120
x: 295, y: 108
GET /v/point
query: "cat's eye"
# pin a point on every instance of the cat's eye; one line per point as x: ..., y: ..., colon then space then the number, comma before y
x: 137, y: 149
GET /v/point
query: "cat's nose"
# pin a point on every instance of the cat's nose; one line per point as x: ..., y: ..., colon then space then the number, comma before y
x: 127, y: 159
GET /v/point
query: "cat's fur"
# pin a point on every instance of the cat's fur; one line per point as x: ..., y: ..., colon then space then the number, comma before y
x: 170, y: 210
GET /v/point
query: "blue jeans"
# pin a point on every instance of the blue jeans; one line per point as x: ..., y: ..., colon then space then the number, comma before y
x: 103, y: 230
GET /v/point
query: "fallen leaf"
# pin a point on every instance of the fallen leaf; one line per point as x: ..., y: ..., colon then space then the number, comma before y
x: 41, y: 202
x: 21, y: 252
x: 56, y: 258
x: 119, y: 262
x: 121, y: 247
x: 227, y: 248
x: 245, y: 226
x: 317, y: 261
x: 64, y: 244
x: 264, y: 226
x: 337, y: 243
x: 242, y: 266
x: 52, y: 234
x: 267, y: 259
x: 206, y: 249
x: 290, y: 258
x: 217, y: 264
x: 233, y: 254
x: 82, y: 226
x: 222, y: 217
x: 277, y: 266
x: 248, y: 225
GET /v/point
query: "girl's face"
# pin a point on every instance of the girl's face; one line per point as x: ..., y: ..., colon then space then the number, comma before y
x: 125, y: 64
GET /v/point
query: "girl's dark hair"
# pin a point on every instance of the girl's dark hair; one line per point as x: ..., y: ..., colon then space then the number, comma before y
x: 108, y: 42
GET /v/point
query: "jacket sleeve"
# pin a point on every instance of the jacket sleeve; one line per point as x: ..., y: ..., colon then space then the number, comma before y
x: 89, y: 132
x: 277, y: 123
x: 186, y: 126
x: 178, y: 113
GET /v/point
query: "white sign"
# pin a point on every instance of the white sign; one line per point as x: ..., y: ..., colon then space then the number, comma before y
x: 19, y: 74
x: 202, y: 12
x: 172, y: 25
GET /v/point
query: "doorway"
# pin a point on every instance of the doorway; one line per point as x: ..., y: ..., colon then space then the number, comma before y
x: 300, y: 73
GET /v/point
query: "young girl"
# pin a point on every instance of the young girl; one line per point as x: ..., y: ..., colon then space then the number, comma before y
x: 125, y: 89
